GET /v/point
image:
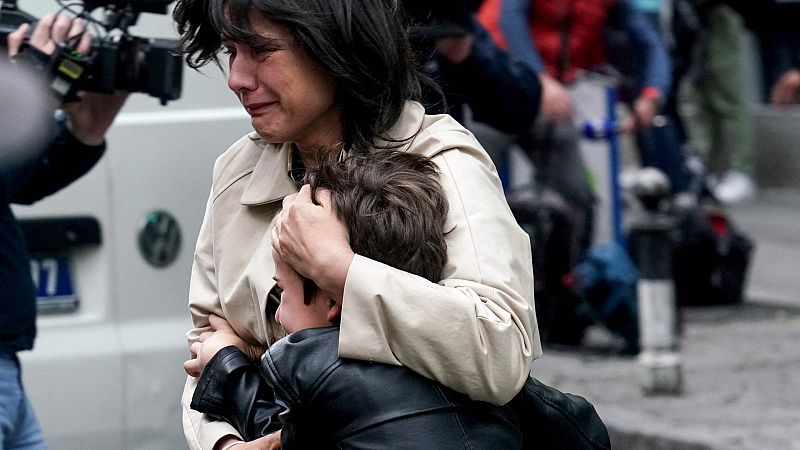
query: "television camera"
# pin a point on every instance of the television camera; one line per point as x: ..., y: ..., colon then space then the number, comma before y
x: 117, y: 60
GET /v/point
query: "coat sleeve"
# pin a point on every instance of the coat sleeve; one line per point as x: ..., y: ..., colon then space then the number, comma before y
x: 65, y: 160
x: 657, y: 70
x: 200, y: 430
x: 475, y: 331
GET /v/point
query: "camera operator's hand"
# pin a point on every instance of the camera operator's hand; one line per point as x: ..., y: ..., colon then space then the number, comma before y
x: 92, y: 115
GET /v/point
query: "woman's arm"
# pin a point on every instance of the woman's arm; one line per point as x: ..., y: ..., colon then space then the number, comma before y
x: 475, y: 331
x: 201, y: 431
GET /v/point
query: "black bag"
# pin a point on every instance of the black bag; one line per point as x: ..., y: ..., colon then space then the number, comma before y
x: 710, y: 259
x: 551, y: 419
x: 554, y: 228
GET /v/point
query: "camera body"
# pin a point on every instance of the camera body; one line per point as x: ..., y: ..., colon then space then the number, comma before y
x: 115, y: 62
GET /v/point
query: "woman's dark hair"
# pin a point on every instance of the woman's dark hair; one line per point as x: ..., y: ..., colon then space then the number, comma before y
x: 392, y: 205
x: 361, y: 44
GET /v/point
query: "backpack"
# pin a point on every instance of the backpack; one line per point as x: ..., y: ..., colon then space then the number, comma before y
x: 607, y: 281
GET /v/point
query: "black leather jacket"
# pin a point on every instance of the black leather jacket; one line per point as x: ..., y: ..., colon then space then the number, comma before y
x: 328, y: 402
x: 353, y: 404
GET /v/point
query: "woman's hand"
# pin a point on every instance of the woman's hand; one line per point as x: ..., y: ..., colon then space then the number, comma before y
x: 210, y: 342
x: 312, y: 240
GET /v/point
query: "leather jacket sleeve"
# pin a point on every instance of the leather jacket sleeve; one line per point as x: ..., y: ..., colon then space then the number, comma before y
x: 232, y: 389
x: 550, y: 418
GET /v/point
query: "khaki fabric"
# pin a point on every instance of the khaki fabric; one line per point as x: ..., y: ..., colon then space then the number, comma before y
x: 475, y: 331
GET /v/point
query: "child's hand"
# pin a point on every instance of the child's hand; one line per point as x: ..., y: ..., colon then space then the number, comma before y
x: 205, y: 349
x: 210, y: 342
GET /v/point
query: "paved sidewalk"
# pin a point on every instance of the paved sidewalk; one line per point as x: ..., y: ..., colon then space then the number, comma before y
x: 741, y: 369
x: 741, y: 364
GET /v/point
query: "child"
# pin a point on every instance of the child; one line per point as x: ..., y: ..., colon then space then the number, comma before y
x: 395, y: 212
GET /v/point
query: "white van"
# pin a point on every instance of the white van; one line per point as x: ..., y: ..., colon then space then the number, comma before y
x: 113, y: 258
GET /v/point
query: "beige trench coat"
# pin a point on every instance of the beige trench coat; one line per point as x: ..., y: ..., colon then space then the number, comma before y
x: 474, y: 331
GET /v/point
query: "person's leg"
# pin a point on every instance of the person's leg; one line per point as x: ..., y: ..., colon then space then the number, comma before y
x: 733, y: 138
x: 19, y: 428
x: 661, y: 147
x: 559, y: 164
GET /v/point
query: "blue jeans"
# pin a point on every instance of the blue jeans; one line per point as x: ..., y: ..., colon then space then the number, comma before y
x: 19, y: 428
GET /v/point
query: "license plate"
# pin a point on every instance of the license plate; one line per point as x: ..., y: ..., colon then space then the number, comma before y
x: 55, y: 291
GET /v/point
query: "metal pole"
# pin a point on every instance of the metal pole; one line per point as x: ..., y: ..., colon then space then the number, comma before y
x: 613, y: 165
x: 659, y: 360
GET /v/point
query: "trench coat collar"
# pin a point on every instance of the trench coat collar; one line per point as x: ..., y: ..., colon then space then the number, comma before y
x: 270, y: 180
x: 407, y: 126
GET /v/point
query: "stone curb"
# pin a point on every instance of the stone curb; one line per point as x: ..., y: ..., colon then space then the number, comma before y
x: 633, y: 440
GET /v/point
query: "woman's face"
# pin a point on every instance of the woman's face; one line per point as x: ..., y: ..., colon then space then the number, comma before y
x: 288, y: 97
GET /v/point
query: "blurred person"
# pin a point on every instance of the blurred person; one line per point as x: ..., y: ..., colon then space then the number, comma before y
x: 78, y: 144
x: 662, y: 146
x: 481, y: 82
x: 722, y: 126
x: 395, y: 211
x: 470, y: 68
x: 337, y: 77
x: 561, y: 40
x: 775, y: 24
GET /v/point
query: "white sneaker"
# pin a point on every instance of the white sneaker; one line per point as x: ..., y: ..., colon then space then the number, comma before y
x: 733, y: 188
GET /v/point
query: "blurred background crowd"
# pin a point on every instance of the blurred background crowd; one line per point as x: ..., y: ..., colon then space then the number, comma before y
x: 683, y: 84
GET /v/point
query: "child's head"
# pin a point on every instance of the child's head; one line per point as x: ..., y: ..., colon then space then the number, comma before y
x: 394, y: 209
